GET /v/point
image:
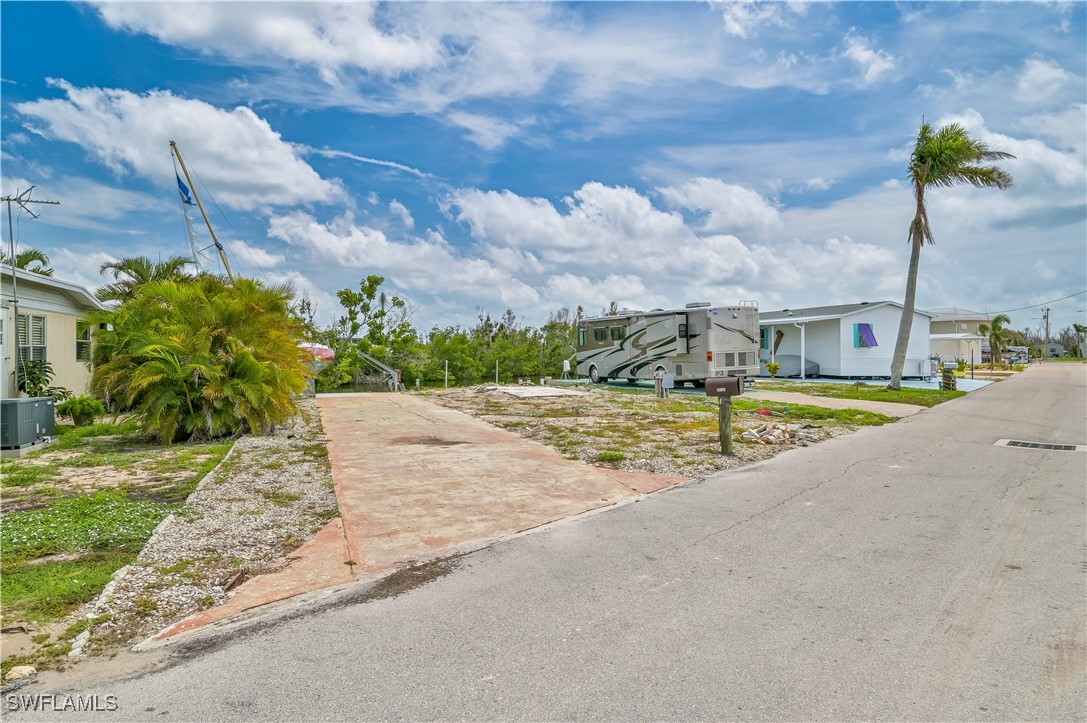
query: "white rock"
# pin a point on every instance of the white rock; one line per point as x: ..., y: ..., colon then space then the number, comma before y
x: 20, y: 671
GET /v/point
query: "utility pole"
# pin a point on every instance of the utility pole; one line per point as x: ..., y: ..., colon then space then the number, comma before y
x: 21, y: 200
x: 1045, y: 314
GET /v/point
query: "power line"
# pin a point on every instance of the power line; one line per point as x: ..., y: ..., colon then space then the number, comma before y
x: 1033, y: 306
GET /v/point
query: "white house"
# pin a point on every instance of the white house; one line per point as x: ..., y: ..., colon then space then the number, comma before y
x: 955, y: 334
x: 848, y: 340
x: 44, y: 311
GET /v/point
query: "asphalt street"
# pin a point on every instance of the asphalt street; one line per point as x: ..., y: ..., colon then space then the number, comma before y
x: 911, y: 571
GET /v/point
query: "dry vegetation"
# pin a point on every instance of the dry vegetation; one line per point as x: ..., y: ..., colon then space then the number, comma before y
x: 633, y: 430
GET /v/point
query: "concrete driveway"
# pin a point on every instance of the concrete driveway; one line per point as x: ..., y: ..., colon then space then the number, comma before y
x: 415, y: 481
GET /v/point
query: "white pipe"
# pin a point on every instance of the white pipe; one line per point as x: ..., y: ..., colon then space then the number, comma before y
x: 803, y: 361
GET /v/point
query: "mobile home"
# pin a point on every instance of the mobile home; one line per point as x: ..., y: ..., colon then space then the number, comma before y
x: 693, y: 343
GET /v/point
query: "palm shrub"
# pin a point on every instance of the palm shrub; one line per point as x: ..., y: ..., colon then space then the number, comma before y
x: 199, y: 358
x: 83, y: 410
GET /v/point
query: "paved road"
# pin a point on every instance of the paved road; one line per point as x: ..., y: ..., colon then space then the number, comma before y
x: 912, y: 571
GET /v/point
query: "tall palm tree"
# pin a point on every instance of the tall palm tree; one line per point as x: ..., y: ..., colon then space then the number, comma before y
x: 132, y: 272
x: 941, y: 159
x: 998, y: 336
x: 30, y: 260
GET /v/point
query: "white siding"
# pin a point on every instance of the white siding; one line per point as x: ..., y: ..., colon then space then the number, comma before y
x: 820, y: 344
x: 876, y: 362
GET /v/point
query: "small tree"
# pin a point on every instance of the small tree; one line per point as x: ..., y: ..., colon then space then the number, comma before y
x: 772, y: 368
x: 998, y: 337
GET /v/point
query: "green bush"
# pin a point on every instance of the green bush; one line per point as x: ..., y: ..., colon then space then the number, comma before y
x: 83, y: 410
x: 200, y: 358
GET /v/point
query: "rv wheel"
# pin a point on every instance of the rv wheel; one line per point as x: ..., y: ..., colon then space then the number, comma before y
x: 594, y: 375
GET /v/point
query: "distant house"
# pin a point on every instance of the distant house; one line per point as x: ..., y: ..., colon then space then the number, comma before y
x: 955, y: 334
x: 46, y: 327
x: 848, y: 340
x: 1054, y: 349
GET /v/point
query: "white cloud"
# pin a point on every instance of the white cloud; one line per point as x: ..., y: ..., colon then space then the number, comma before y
x: 1066, y: 127
x: 873, y: 63
x: 401, y: 211
x: 730, y: 208
x: 330, y: 36
x: 1040, y: 81
x: 1036, y: 166
x: 235, y: 153
x: 486, y: 132
x: 86, y: 204
x: 819, y: 183
x: 423, y: 264
x: 743, y: 18
x: 250, y: 254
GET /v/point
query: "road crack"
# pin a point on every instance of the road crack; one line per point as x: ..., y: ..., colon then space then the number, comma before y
x: 774, y: 506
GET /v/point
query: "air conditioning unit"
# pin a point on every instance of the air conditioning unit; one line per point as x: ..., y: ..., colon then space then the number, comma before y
x: 26, y: 422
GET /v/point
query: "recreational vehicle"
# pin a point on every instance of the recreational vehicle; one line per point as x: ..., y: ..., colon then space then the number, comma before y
x: 693, y: 343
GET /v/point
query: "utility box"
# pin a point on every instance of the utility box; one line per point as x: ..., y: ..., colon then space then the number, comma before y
x: 724, y: 386
x: 26, y: 422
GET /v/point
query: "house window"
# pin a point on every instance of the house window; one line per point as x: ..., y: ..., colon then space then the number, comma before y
x: 764, y: 337
x: 600, y: 333
x: 83, y: 344
x: 616, y: 333
x: 863, y: 336
x: 30, y: 331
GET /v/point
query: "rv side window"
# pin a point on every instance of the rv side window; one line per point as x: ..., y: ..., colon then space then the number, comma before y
x: 617, y: 333
x: 582, y: 337
x: 682, y: 331
x: 600, y: 333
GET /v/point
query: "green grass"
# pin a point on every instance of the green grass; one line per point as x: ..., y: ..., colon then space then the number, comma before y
x: 51, y: 590
x: 69, y: 437
x: 802, y: 412
x: 13, y: 474
x: 611, y: 456
x: 867, y: 392
x: 279, y: 498
x: 104, y: 520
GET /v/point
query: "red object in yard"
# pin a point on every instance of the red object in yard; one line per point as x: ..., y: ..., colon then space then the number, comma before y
x: 319, y: 351
x: 765, y: 412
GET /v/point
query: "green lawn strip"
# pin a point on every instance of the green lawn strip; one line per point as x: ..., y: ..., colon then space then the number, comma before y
x: 873, y: 393
x: 48, y: 591
x: 100, y: 521
x: 13, y: 474
x: 802, y: 412
x: 69, y: 437
x: 679, y: 403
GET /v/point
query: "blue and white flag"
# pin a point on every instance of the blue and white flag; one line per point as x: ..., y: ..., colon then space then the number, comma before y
x: 186, y: 197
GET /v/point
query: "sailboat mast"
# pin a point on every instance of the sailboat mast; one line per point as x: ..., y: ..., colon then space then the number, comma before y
x: 200, y: 204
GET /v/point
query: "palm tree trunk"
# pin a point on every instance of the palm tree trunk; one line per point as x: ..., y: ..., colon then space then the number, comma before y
x: 898, y: 361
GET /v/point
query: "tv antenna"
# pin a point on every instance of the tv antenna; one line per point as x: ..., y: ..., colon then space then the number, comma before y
x: 22, y: 200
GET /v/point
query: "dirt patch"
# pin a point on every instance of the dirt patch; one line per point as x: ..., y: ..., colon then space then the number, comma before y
x: 408, y: 579
x: 630, y: 431
x: 428, y: 441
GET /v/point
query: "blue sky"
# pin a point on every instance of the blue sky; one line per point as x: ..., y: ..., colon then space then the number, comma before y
x: 533, y: 156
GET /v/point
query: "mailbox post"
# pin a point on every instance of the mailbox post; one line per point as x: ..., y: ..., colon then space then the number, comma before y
x: 725, y: 388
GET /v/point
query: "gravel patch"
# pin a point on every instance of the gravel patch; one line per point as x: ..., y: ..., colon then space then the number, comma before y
x: 267, y: 497
x: 635, y: 432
